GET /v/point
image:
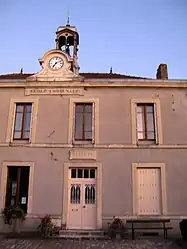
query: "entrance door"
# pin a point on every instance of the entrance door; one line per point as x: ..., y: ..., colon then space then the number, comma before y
x: 149, y: 191
x: 82, y: 199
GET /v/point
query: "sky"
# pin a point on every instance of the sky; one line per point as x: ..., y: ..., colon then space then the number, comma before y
x: 132, y: 36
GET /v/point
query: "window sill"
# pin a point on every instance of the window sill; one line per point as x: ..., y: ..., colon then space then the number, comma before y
x: 20, y: 141
x: 146, y: 142
x: 83, y: 143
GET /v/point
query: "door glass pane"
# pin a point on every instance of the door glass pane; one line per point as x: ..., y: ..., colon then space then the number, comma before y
x: 86, y: 173
x: 89, y: 194
x: 80, y: 171
x: 92, y: 173
x: 75, y: 194
x: 73, y: 173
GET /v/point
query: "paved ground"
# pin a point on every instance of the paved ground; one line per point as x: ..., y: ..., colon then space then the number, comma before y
x: 86, y: 244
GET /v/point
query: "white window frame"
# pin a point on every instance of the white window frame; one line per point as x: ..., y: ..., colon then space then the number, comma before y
x: 157, y: 119
x: 95, y: 120
x: 4, y: 175
x: 12, y: 118
x: 162, y: 168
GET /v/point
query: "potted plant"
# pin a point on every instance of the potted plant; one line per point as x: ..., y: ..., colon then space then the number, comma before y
x: 13, y: 215
x: 46, y: 227
x: 116, y: 227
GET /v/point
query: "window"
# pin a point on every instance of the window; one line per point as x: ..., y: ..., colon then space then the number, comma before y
x: 17, y: 187
x: 22, y: 121
x: 83, y: 121
x: 83, y: 173
x: 145, y: 122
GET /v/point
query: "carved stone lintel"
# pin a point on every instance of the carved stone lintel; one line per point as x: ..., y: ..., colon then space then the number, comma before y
x: 82, y: 154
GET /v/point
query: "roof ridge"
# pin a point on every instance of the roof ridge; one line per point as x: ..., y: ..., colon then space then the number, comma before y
x: 87, y: 75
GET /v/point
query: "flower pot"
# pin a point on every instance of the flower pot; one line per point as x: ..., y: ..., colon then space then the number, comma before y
x: 16, y: 223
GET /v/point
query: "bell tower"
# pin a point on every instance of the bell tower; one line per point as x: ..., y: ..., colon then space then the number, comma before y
x: 67, y: 40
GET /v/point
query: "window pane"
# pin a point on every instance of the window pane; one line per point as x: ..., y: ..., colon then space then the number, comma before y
x: 86, y: 173
x: 92, y: 173
x: 140, y: 122
x: 141, y: 135
x: 27, y: 121
x: 88, y: 135
x: 150, y: 135
x: 19, y: 108
x: 17, y: 134
x: 88, y: 122
x: 139, y: 109
x: 150, y: 122
x: 29, y: 108
x: 78, y: 126
x: 26, y: 134
x: 18, y: 123
x: 88, y: 108
x: 150, y: 108
x: 78, y: 108
x: 73, y: 173
x: 80, y: 171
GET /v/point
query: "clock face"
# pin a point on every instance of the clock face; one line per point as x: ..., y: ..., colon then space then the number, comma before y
x: 56, y: 63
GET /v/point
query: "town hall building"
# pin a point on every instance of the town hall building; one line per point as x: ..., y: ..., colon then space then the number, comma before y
x: 84, y: 147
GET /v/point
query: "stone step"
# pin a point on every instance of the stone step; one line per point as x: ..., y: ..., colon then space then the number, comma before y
x: 82, y: 234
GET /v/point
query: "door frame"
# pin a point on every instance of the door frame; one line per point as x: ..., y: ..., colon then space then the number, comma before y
x: 163, y: 197
x: 65, y: 199
x: 4, y: 181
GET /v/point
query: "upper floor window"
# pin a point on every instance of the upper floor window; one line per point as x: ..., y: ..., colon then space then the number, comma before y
x: 83, y: 121
x: 22, y: 121
x: 145, y: 122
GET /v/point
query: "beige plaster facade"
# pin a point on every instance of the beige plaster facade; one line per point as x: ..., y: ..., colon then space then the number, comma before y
x: 114, y: 151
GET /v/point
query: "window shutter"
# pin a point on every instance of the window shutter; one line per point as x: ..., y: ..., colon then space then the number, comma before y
x: 155, y: 123
x: 73, y: 122
x: 93, y: 123
x: 136, y: 125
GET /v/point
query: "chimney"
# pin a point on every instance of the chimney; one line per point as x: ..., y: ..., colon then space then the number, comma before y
x: 162, y: 72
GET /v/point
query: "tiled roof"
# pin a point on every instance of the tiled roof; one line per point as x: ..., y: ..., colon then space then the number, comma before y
x: 17, y: 76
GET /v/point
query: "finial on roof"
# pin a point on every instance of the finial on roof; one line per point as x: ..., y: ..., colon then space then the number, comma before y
x: 110, y: 70
x: 68, y: 20
x: 21, y: 71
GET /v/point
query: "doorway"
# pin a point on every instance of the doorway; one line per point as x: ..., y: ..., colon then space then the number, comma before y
x: 149, y: 191
x: 82, y: 193
x: 17, y: 186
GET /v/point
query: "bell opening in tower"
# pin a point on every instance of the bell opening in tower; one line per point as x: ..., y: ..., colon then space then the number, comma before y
x: 66, y: 44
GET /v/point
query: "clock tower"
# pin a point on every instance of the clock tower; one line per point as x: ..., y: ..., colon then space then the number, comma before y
x: 61, y: 63
x: 67, y: 40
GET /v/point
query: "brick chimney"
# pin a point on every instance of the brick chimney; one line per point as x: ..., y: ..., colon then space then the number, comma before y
x: 162, y: 72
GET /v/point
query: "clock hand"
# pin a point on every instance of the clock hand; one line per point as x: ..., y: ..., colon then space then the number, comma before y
x: 55, y: 63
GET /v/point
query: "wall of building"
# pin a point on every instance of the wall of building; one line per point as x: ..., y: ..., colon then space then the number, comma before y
x: 50, y: 150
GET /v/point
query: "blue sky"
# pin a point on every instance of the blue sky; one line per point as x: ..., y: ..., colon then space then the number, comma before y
x: 132, y: 36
